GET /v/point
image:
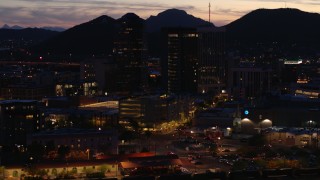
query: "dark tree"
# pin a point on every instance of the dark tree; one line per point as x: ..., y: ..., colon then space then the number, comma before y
x: 50, y: 146
x: 63, y: 151
x: 257, y: 140
x: 36, y: 151
x: 135, y: 125
x: 148, y: 134
x: 127, y: 136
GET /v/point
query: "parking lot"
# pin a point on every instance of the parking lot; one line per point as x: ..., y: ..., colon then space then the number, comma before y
x: 196, y: 152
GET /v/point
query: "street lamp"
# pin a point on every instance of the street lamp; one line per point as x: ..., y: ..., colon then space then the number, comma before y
x: 310, y: 122
x: 117, y: 169
x: 115, y: 166
x: 88, y: 153
x: 228, y: 131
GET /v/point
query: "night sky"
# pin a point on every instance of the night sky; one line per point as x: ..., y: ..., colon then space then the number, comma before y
x: 67, y: 13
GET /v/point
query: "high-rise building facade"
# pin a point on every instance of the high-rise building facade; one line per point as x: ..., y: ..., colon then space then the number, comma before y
x: 128, y: 52
x: 149, y: 110
x: 17, y: 119
x: 212, y: 67
x: 182, y: 60
x: 249, y: 82
x: 100, y: 71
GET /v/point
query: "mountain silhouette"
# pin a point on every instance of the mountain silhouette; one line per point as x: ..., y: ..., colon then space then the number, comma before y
x: 34, y: 34
x: 130, y: 17
x: 96, y: 37
x: 6, y: 26
x: 90, y: 38
x: 286, y: 26
x: 53, y: 28
x: 166, y: 19
x: 173, y: 18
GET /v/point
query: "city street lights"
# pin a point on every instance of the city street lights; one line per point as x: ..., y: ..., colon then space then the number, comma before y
x: 115, y: 166
x: 309, y: 123
x: 117, y: 169
x: 88, y: 153
x: 31, y: 158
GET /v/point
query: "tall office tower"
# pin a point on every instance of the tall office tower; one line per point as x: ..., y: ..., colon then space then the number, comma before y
x: 249, y: 82
x: 182, y: 60
x: 128, y: 52
x: 17, y: 119
x: 212, y: 63
x: 100, y: 72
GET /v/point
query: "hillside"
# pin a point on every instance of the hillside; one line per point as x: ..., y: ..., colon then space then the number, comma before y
x: 287, y: 26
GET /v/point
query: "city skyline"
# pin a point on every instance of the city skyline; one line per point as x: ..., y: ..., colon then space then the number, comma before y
x: 67, y: 13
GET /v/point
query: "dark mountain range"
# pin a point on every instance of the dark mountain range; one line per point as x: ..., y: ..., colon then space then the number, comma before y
x: 6, y: 26
x: 17, y: 40
x: 51, y: 28
x: 286, y: 26
x: 33, y: 34
x: 97, y: 36
x: 130, y: 17
x: 168, y: 18
x: 93, y: 37
x: 173, y: 18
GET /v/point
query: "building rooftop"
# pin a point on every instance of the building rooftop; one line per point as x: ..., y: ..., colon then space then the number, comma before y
x: 294, y: 130
x: 72, y: 131
x: 16, y: 101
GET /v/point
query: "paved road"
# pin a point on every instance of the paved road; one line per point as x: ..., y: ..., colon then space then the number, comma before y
x: 207, y: 162
x: 164, y: 143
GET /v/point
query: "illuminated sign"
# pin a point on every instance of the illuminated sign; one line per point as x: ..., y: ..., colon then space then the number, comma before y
x: 246, y: 112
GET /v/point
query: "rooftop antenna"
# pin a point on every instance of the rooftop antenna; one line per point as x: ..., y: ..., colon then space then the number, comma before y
x: 285, y: 4
x: 209, y: 11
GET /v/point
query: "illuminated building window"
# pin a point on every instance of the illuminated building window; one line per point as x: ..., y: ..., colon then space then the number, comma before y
x: 29, y: 116
x: 173, y: 35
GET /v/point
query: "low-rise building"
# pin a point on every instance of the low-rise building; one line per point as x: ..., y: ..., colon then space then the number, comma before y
x: 94, y: 140
x: 26, y: 91
x: 150, y: 110
x: 221, y: 117
x: 293, y: 136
